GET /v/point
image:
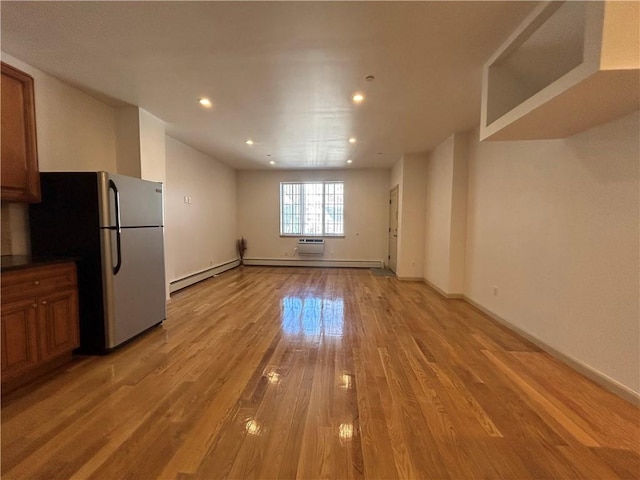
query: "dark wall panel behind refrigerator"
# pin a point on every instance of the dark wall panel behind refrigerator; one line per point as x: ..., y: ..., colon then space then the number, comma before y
x: 66, y: 223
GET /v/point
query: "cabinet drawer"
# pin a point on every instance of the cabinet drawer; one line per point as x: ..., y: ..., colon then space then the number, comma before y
x: 37, y: 280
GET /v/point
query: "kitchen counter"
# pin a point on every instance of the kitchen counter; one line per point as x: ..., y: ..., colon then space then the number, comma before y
x: 18, y: 262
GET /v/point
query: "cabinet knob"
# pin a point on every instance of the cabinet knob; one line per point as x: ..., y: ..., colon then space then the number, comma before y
x: 44, y: 302
x: 34, y: 305
x: 37, y: 282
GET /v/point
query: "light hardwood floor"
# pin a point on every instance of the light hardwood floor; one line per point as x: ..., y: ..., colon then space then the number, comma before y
x: 319, y: 373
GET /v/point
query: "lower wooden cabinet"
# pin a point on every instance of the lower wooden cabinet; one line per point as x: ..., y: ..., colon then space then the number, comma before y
x: 19, y: 338
x: 58, y: 323
x: 39, y: 321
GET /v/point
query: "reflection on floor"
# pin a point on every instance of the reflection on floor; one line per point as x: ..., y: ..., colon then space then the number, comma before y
x: 312, y: 316
x: 319, y: 373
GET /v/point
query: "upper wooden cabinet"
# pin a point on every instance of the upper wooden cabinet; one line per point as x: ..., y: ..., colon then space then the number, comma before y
x: 568, y: 67
x: 20, y: 181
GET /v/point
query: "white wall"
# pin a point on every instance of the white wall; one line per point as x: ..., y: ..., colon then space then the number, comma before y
x: 201, y: 234
x: 128, y: 141
x: 437, y: 246
x: 412, y: 213
x: 554, y: 225
x: 397, y: 180
x: 366, y: 213
x: 446, y: 215
x: 152, y: 148
x: 396, y: 174
x: 15, y: 229
x: 75, y: 131
x: 459, y: 200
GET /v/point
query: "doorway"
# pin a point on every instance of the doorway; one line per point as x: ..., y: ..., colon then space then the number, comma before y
x: 393, y: 229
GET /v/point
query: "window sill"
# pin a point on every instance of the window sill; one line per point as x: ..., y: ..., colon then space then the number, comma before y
x: 312, y: 236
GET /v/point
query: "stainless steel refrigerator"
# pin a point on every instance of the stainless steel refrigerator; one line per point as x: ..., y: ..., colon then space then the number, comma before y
x: 113, y: 226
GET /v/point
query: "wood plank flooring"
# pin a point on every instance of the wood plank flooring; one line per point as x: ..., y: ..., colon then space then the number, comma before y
x: 319, y: 373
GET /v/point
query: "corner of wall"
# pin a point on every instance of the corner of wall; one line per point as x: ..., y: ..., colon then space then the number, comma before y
x: 128, y: 141
x: 459, y: 196
x: 152, y: 147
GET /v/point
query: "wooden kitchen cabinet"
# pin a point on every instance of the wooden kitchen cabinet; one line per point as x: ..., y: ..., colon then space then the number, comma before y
x: 19, y: 338
x: 19, y: 180
x: 58, y: 323
x: 39, y: 321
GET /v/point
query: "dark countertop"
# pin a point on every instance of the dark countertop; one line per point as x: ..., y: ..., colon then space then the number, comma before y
x: 17, y: 262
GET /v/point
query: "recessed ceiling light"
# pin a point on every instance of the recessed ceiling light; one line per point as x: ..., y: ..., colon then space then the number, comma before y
x: 352, y: 140
x: 272, y: 162
x: 357, y: 98
x: 349, y: 161
x: 205, y: 102
x: 249, y: 142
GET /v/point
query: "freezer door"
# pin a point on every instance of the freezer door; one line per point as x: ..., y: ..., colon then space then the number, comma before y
x: 135, y: 296
x: 138, y: 203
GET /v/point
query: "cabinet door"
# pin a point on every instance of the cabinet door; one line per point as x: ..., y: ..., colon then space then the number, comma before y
x: 58, y: 323
x: 19, y: 338
x: 19, y: 162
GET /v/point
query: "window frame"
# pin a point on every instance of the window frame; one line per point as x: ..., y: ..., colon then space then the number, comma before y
x: 302, y: 205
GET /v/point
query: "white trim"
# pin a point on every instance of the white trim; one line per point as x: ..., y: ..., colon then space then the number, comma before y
x: 189, y: 280
x: 591, y: 373
x: 442, y: 292
x: 294, y: 262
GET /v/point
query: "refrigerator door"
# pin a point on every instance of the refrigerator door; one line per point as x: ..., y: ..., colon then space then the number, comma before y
x: 138, y: 203
x: 135, y: 297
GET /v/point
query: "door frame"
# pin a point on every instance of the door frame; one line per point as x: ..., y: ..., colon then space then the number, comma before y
x: 393, y: 236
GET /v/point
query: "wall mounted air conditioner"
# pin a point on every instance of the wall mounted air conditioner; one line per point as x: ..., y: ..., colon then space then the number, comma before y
x: 311, y: 246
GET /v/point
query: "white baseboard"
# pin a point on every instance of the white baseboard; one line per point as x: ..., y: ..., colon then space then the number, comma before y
x: 592, y: 374
x: 304, y: 262
x: 442, y: 292
x: 181, y: 283
x: 581, y: 367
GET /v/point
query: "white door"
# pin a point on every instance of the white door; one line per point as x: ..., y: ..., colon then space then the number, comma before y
x: 393, y: 229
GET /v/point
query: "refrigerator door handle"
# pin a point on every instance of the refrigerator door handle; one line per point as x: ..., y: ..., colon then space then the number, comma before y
x: 113, y: 187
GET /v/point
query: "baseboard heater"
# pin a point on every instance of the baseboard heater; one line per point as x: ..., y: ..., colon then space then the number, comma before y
x: 196, y: 277
x: 311, y: 261
x: 311, y: 246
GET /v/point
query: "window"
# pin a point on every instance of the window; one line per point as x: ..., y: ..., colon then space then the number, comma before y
x: 312, y: 209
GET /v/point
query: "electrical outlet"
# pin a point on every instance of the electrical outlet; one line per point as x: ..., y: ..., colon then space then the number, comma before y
x: 495, y: 291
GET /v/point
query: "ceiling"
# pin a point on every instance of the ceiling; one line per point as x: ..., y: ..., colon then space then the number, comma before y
x: 279, y: 73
